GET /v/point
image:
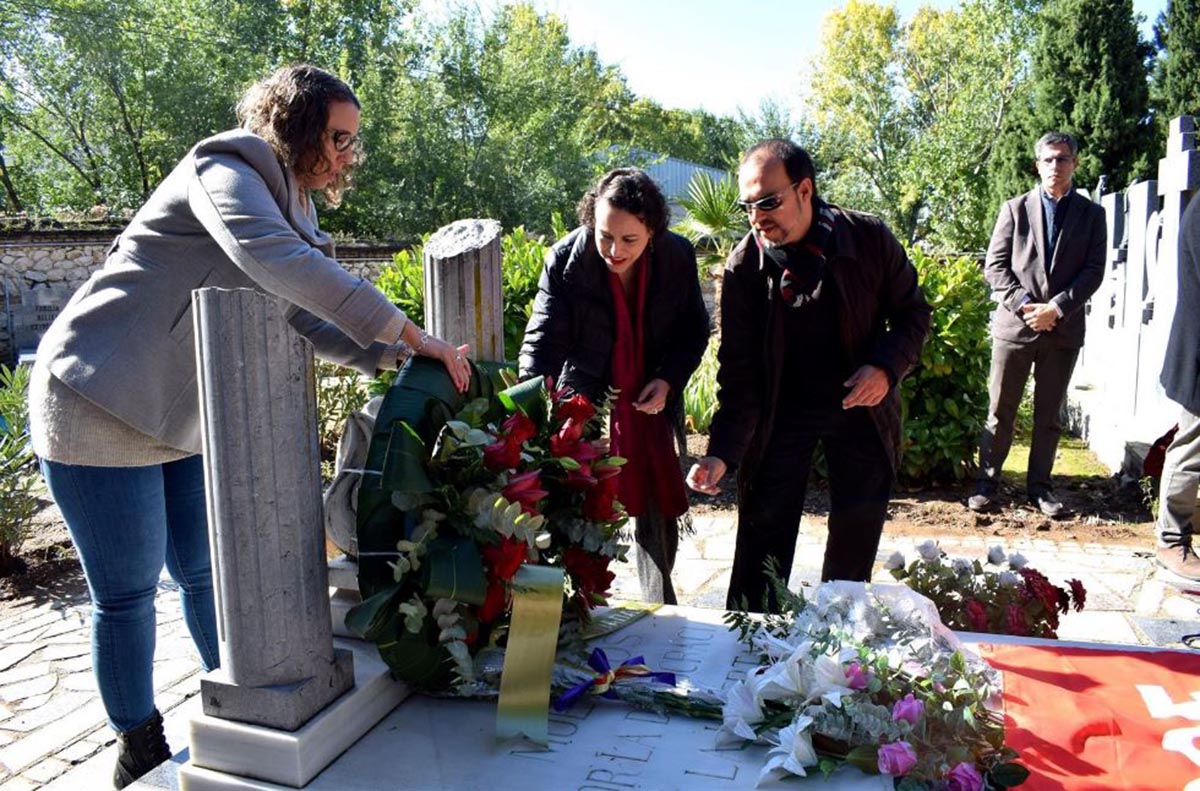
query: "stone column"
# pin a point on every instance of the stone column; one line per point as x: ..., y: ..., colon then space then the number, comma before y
x: 262, y: 472
x: 464, y: 302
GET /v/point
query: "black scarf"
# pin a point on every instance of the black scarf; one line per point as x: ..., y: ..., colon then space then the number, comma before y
x: 802, y: 265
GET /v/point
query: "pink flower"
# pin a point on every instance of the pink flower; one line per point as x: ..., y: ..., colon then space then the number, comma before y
x: 909, y: 710
x: 858, y: 675
x: 964, y: 777
x: 896, y: 759
x: 526, y: 490
x: 976, y: 615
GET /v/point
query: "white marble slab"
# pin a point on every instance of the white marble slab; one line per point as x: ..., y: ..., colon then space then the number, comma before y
x: 238, y: 751
x: 597, y: 745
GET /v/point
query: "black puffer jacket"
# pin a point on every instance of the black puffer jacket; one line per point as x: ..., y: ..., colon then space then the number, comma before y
x: 572, y: 328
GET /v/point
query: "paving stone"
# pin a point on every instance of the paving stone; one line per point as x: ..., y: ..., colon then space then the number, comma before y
x: 84, y: 715
x: 18, y: 783
x: 31, y: 703
x: 1166, y: 632
x: 83, y: 681
x: 12, y: 654
x: 78, y: 751
x: 20, y: 631
x: 1098, y: 627
x: 67, y: 626
x: 29, y: 688
x: 47, y: 770
x: 6, y: 738
x: 5, y: 712
x: 94, y: 773
x: 74, y: 664
x: 66, y: 651
x: 47, y: 709
x: 24, y: 672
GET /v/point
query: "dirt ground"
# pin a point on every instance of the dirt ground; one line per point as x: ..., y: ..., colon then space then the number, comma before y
x: 1100, y: 510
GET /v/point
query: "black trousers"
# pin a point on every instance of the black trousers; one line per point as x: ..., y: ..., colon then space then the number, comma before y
x: 1011, y: 362
x: 772, y: 502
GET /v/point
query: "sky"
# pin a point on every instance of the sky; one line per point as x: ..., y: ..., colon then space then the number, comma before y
x: 719, y: 55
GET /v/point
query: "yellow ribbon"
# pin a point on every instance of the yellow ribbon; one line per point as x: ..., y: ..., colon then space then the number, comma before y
x: 524, y: 705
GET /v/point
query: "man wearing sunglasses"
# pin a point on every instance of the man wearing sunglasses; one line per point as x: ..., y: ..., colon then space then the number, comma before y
x: 821, y: 317
x: 1045, y: 259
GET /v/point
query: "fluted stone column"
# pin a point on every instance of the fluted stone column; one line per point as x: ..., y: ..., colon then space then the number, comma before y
x: 262, y: 472
x: 464, y: 302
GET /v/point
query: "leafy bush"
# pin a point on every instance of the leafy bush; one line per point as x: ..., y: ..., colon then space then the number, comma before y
x: 18, y: 468
x: 700, y: 395
x: 340, y: 391
x: 946, y: 397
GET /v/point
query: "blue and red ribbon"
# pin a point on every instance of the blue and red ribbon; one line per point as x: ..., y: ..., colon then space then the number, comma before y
x: 606, y: 676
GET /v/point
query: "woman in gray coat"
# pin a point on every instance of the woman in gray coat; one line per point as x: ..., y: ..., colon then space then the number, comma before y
x: 114, y: 410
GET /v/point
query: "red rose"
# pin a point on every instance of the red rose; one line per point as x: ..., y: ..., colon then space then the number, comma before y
x: 505, y: 558
x: 494, y: 603
x: 526, y: 490
x: 519, y: 428
x: 576, y: 408
x: 502, y: 455
x: 590, y: 572
x: 977, y: 616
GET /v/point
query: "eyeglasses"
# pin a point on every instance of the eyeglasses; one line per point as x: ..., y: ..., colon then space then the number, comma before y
x: 343, y: 140
x: 1062, y: 160
x: 769, y: 203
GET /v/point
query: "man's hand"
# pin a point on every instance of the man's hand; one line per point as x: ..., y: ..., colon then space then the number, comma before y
x: 1039, y: 316
x: 653, y: 397
x: 868, y: 387
x: 706, y: 474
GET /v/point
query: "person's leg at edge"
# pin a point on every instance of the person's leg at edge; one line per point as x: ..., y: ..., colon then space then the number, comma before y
x: 1180, y: 481
x: 187, y: 556
x: 860, y: 485
x: 1006, y: 384
x: 117, y: 520
x: 769, y: 510
x: 1051, y: 376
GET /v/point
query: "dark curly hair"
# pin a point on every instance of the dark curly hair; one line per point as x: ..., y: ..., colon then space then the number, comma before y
x: 290, y: 110
x: 631, y: 190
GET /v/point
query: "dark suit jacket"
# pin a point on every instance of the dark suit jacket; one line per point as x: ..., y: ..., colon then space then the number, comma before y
x: 1181, y: 365
x: 1016, y: 266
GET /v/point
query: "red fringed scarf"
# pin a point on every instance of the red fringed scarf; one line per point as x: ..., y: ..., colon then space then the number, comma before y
x: 651, y: 469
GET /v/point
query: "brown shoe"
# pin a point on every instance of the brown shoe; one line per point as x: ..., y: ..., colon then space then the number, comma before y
x: 1181, y: 560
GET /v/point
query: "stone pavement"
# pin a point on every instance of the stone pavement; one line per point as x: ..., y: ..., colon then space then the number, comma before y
x: 52, y: 726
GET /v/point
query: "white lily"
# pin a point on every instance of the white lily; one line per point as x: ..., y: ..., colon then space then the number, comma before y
x: 793, y: 753
x: 741, y: 711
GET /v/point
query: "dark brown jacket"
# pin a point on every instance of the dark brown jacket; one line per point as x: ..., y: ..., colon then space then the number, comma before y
x: 883, y: 319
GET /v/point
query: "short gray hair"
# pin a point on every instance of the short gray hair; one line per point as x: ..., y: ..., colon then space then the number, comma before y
x: 1055, y: 139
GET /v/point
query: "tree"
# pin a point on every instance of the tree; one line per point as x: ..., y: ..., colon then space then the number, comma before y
x: 907, y: 113
x: 1089, y: 79
x: 1176, y: 86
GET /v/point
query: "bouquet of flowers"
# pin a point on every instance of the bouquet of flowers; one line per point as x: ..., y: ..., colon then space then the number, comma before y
x: 867, y: 676
x: 470, y: 488
x: 1018, y: 600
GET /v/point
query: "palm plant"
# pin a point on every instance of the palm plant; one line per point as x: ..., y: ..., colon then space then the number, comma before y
x: 714, y: 223
x: 18, y: 467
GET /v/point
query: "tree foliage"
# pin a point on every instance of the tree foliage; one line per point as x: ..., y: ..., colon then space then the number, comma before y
x: 1176, y: 86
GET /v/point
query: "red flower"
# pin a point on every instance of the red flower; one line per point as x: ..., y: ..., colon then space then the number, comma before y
x: 505, y: 558
x: 581, y: 478
x: 494, y: 603
x: 1078, y: 593
x: 519, y: 428
x: 598, y: 505
x: 576, y: 408
x: 526, y: 490
x: 590, y: 572
x: 977, y: 615
x: 605, y: 470
x: 1015, y: 622
x: 568, y: 442
x: 502, y: 455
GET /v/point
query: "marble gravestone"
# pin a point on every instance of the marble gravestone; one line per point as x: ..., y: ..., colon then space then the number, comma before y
x: 598, y: 745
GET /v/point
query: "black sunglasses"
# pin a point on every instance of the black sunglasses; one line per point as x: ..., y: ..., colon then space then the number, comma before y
x: 343, y: 140
x: 769, y: 203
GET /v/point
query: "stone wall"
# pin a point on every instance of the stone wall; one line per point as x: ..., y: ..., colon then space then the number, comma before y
x: 39, y: 270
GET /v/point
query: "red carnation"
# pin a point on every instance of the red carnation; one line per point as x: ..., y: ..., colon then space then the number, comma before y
x: 505, y: 558
x: 977, y: 615
x: 590, y: 572
x: 519, y: 428
x: 576, y: 408
x: 1078, y: 593
x: 526, y: 490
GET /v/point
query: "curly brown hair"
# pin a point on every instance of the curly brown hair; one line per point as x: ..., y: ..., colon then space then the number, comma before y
x: 290, y: 110
x: 631, y: 190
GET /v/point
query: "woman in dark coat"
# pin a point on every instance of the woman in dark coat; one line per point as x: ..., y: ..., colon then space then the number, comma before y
x: 619, y: 306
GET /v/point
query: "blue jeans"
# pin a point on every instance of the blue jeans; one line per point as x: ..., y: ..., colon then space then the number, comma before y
x: 125, y: 522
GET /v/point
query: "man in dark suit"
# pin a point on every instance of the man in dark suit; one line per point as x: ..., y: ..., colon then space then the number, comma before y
x: 1045, y: 259
x: 1181, y: 381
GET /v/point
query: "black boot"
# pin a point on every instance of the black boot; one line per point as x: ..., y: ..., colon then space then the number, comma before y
x: 140, y: 750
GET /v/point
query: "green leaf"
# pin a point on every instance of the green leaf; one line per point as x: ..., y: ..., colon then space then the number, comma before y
x: 865, y: 757
x: 416, y: 658
x: 404, y: 462
x: 1008, y: 775
x: 529, y: 397
x: 454, y: 570
x: 370, y: 618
